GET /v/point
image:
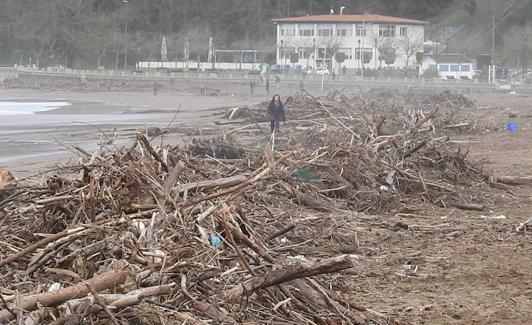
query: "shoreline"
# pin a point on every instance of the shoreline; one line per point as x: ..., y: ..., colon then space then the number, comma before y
x: 30, y: 142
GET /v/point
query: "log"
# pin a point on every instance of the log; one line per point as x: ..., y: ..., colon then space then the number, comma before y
x: 308, y: 200
x: 288, y: 273
x: 280, y: 232
x: 121, y: 300
x: 241, y: 186
x: 211, y: 184
x: 467, y: 206
x: 136, y: 296
x: 514, y: 180
x: 54, y: 298
x: 456, y: 126
x: 415, y: 148
x: 173, y: 176
x: 500, y: 186
x: 52, y: 238
x: 142, y: 138
x: 314, y: 296
x: 39, y: 244
x: 55, y: 199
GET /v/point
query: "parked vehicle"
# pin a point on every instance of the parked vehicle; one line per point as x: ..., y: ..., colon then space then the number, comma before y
x: 280, y: 67
x: 297, y: 68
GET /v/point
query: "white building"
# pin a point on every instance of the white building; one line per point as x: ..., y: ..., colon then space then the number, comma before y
x: 369, y: 41
x: 450, y: 66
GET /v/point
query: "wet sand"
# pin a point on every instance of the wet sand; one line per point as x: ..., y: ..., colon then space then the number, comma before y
x: 30, y: 143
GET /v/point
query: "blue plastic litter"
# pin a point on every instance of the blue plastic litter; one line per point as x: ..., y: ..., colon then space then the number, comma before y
x: 216, y: 241
x: 512, y: 127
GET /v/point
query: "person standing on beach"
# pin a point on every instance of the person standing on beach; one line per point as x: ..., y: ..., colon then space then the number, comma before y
x: 251, y: 86
x: 277, y: 81
x: 268, y: 86
x: 155, y: 89
x: 276, y: 112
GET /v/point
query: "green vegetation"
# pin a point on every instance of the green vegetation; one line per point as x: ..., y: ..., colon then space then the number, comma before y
x: 90, y: 33
x: 458, y: 17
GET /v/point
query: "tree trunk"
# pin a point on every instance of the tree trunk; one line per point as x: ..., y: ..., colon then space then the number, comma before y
x: 54, y: 298
x: 211, y: 184
x: 514, y: 180
x: 288, y: 273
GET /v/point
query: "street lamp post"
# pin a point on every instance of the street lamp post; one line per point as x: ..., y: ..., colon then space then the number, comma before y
x: 282, y: 59
x: 436, y: 57
x: 376, y: 43
x: 315, y: 54
x: 360, y: 62
x: 126, y: 2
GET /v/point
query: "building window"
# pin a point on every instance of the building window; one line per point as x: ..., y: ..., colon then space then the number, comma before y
x: 367, y: 54
x: 344, y: 30
x: 455, y: 67
x: 387, y: 30
x: 306, y: 30
x: 305, y: 52
x: 348, y: 53
x: 465, y: 68
x: 403, y: 31
x: 325, y: 31
x: 444, y: 67
x: 288, y: 30
x: 361, y: 30
x: 322, y: 53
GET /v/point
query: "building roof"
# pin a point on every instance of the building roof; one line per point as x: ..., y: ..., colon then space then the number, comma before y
x: 451, y: 58
x: 350, y: 19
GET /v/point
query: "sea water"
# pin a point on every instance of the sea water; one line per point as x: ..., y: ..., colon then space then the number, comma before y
x: 25, y: 108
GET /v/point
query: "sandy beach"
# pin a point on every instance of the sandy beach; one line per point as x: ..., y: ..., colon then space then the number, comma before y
x: 33, y: 142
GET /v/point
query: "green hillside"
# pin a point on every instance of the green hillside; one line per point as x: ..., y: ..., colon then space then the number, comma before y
x: 89, y: 33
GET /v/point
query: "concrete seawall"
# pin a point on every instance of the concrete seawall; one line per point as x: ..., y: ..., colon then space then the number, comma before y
x: 81, y: 77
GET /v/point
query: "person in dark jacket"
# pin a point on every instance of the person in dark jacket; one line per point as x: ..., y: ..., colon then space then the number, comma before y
x: 276, y: 112
x: 251, y: 87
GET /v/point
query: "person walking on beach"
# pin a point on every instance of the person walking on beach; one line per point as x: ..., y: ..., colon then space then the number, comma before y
x: 155, y: 89
x: 268, y: 86
x: 276, y: 112
x: 277, y: 81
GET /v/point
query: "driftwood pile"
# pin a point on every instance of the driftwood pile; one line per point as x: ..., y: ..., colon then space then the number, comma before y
x: 216, y: 232
x: 379, y: 151
x: 382, y: 106
x: 151, y: 235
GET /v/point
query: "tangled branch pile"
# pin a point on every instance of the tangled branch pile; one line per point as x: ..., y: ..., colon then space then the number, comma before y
x: 174, y: 237
x: 379, y: 151
x: 225, y: 233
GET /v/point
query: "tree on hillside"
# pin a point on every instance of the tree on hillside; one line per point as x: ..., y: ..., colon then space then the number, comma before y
x: 87, y: 33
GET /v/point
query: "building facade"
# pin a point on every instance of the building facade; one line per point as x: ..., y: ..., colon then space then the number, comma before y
x: 450, y: 66
x: 366, y: 41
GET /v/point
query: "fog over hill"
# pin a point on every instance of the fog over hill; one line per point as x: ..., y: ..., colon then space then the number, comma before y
x: 90, y: 33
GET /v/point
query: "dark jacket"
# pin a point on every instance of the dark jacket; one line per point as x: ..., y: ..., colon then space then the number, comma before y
x: 276, y: 111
